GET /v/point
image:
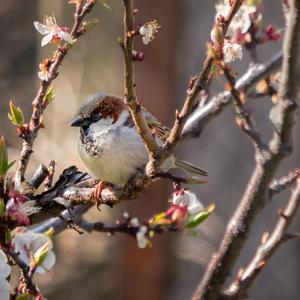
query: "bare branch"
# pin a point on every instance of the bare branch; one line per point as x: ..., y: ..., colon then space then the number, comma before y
x: 244, y: 118
x: 278, y: 185
x: 239, y: 288
x: 124, y: 227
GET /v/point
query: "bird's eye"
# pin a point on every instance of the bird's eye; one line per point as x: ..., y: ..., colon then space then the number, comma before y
x: 95, y: 118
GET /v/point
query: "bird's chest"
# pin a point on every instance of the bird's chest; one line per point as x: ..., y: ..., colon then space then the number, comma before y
x: 91, y: 147
x: 113, y: 155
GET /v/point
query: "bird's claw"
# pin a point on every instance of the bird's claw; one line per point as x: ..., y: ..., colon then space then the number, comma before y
x: 96, y: 194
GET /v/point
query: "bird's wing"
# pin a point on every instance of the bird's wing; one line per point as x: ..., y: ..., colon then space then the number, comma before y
x: 161, y: 131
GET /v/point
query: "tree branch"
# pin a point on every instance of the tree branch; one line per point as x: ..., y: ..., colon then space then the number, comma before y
x: 278, y: 185
x: 240, y: 287
x: 244, y: 120
x: 129, y: 85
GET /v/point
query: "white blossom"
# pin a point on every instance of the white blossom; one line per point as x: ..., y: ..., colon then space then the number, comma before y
x: 189, y: 199
x: 134, y: 222
x: 241, y: 21
x: 195, y: 204
x: 30, y: 246
x: 52, y: 31
x: 4, y: 273
x: 148, y: 31
x: 232, y: 51
x: 126, y: 215
x: 141, y: 238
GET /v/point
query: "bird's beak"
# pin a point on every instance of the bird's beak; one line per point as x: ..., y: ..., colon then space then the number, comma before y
x: 78, y: 121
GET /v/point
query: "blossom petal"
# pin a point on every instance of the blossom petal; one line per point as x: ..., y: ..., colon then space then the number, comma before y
x: 47, y: 39
x: 49, y: 261
x: 232, y: 52
x: 146, y: 40
x: 66, y: 36
x: 141, y: 240
x: 41, y: 28
x: 4, y: 290
x: 29, y: 242
x: 4, y: 267
x: 195, y: 204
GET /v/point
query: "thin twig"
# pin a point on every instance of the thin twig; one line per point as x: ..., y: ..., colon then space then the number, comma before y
x: 49, y: 178
x: 129, y: 84
x: 31, y: 286
x: 124, y: 227
x: 278, y: 185
x: 240, y: 287
x: 244, y: 118
x: 37, y: 104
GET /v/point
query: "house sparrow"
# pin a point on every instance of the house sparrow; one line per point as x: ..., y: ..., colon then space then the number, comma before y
x: 109, y: 144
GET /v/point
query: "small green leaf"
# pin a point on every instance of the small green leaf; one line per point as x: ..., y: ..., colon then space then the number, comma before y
x: 8, y: 236
x: 3, y: 157
x: 2, y: 208
x: 41, y: 254
x: 50, y: 232
x: 4, y: 164
x: 49, y: 96
x: 10, y: 164
x: 25, y: 297
x: 200, y: 217
x: 15, y: 115
x: 90, y: 25
x: 253, y: 2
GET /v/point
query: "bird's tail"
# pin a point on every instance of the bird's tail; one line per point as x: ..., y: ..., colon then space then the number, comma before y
x: 190, y: 168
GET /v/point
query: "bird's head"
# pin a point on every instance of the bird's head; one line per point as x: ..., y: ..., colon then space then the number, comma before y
x: 96, y: 107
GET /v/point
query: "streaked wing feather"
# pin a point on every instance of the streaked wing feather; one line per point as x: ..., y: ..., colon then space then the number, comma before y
x: 160, y: 130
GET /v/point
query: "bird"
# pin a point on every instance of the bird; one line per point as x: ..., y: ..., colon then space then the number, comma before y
x: 109, y: 144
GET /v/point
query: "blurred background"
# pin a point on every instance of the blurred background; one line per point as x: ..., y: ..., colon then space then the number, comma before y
x: 96, y: 266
